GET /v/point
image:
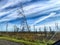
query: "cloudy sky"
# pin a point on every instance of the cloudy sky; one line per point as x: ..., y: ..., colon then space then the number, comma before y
x: 37, y: 12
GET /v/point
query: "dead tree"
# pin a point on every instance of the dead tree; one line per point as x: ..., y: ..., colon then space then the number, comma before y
x: 7, y: 27
x: 56, y: 27
x: 45, y: 31
x: 34, y: 28
x: 40, y: 31
x: 29, y: 29
x: 50, y: 30
x: 16, y: 29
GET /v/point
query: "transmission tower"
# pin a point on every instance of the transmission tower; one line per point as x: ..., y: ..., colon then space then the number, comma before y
x: 23, y: 20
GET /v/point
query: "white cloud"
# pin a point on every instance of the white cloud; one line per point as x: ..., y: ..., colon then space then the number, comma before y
x: 41, y: 19
x: 49, y: 24
x: 11, y: 16
x: 25, y: 0
x: 33, y: 8
x: 2, y: 13
x: 12, y: 2
x: 42, y: 8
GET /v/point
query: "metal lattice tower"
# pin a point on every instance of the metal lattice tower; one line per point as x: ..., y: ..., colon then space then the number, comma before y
x: 23, y: 20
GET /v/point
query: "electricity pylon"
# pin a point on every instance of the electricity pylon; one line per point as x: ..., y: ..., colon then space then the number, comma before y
x: 23, y: 20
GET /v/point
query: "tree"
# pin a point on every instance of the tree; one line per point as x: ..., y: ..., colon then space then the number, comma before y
x: 7, y: 27
x: 29, y: 29
x: 34, y: 28
x: 40, y: 30
x: 50, y: 33
x: 50, y: 29
x: 56, y: 26
x: 16, y: 29
x: 45, y: 31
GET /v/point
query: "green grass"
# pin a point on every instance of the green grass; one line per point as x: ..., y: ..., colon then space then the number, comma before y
x: 25, y: 42
x: 19, y: 41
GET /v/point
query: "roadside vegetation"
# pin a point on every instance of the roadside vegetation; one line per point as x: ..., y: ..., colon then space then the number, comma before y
x: 31, y: 38
x: 25, y: 42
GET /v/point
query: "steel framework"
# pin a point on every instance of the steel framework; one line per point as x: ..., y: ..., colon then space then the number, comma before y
x: 24, y: 24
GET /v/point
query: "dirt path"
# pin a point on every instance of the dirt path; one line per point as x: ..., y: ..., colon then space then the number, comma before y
x: 5, y: 42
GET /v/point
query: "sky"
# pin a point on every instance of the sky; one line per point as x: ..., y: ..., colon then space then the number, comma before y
x: 37, y: 12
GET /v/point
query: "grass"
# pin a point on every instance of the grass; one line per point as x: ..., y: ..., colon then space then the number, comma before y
x: 26, y: 39
x: 25, y: 42
x: 19, y: 41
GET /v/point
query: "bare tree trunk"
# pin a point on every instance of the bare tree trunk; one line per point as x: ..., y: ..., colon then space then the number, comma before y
x: 7, y: 27
x: 45, y: 31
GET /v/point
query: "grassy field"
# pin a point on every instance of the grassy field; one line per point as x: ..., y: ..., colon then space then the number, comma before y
x: 26, y: 42
x: 25, y: 38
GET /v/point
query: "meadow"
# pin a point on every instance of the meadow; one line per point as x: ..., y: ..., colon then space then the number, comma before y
x: 28, y: 38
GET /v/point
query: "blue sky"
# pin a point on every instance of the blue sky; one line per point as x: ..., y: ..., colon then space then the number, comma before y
x: 37, y: 12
